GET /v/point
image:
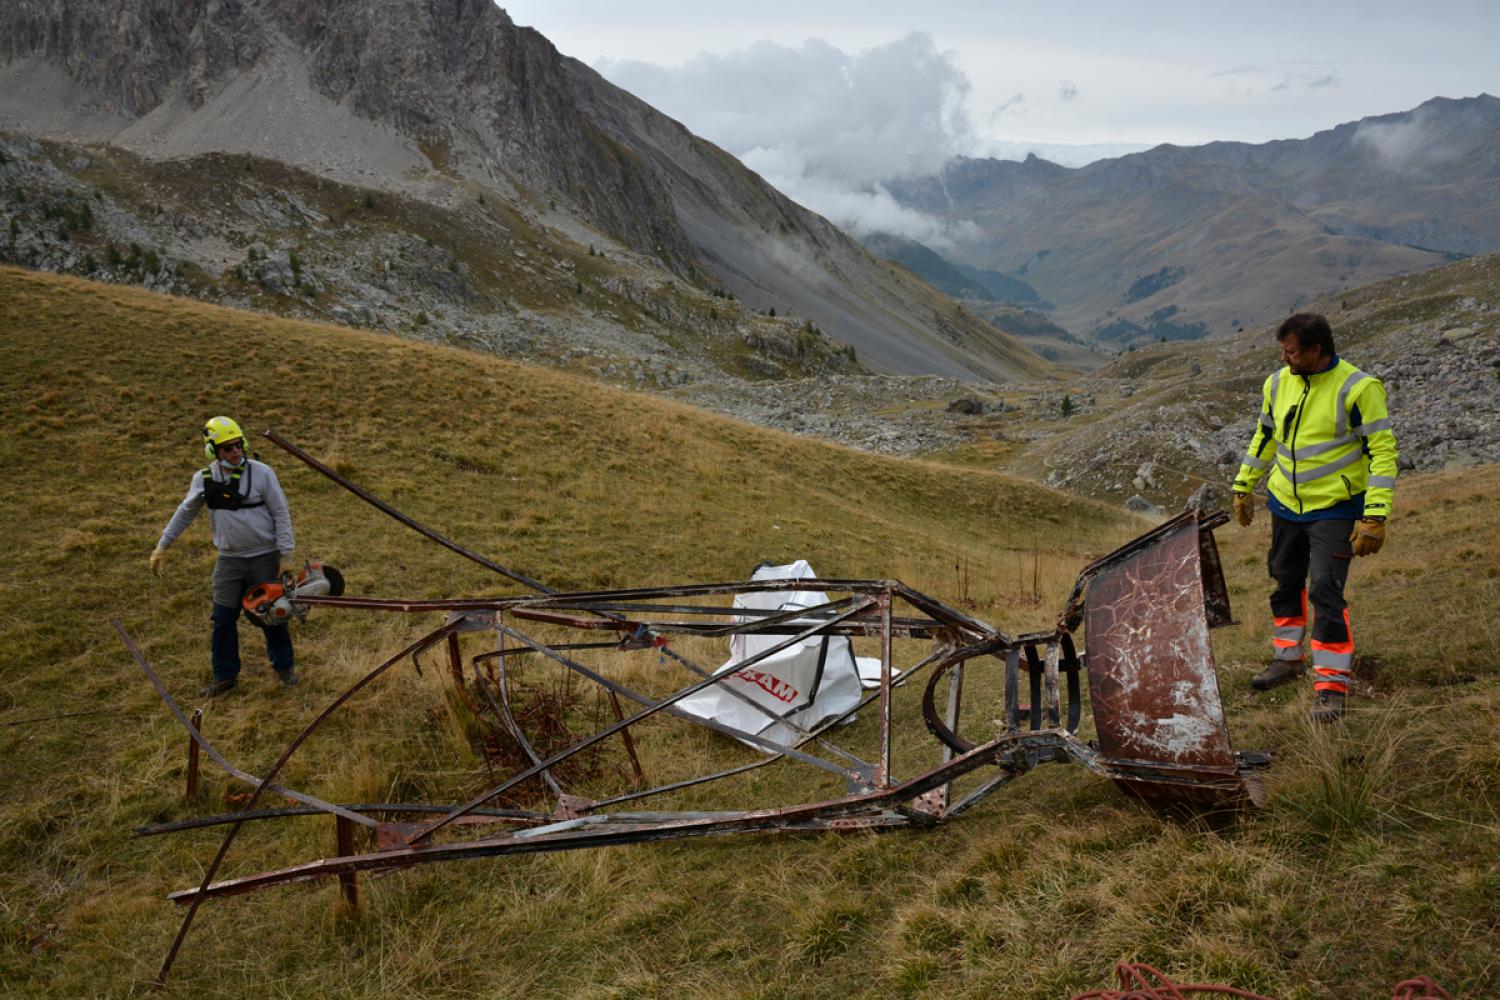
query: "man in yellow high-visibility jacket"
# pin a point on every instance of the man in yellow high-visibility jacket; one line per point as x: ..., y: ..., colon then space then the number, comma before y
x: 1325, y: 437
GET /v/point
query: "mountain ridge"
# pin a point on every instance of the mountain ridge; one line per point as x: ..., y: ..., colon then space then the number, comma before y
x: 1255, y: 228
x: 438, y: 102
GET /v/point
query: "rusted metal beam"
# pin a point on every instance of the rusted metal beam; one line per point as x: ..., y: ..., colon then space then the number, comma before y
x: 519, y: 817
x: 208, y: 748
x: 502, y: 706
x: 770, y: 746
x: 627, y: 739
x: 608, y: 731
x: 195, y: 724
x: 348, y: 881
x: 823, y: 727
x: 412, y: 523
x: 883, y: 769
x: 1015, y: 752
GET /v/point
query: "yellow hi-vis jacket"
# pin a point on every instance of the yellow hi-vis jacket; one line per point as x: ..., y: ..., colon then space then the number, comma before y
x: 1325, y: 438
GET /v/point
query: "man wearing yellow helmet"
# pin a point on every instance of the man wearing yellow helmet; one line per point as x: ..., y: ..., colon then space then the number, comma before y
x: 252, y: 531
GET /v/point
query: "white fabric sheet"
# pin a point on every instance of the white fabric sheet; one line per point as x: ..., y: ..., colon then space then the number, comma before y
x: 805, y: 684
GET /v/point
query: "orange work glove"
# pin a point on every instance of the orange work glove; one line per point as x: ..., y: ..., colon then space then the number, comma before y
x: 1244, y: 509
x: 1367, y: 537
x: 158, y: 560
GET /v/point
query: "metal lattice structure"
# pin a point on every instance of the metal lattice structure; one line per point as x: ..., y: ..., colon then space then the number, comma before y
x: 1145, y: 610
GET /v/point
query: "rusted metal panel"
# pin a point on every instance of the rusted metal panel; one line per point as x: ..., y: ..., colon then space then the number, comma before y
x: 1215, y: 590
x: 1151, y: 668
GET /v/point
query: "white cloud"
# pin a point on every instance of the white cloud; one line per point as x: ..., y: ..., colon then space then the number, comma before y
x: 824, y: 126
x: 863, y: 209
x: 1067, y: 89
x: 1015, y: 106
x: 1408, y: 146
x: 890, y: 111
x: 1146, y: 73
x: 1246, y: 70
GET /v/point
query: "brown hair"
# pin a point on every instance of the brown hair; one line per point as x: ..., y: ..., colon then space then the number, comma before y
x: 1310, y: 329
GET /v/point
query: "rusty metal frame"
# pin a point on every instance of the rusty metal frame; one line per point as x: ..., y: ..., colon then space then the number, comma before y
x: 650, y: 619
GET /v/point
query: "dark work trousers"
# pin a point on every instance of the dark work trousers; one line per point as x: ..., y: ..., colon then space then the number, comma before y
x: 1309, y: 560
x: 233, y: 577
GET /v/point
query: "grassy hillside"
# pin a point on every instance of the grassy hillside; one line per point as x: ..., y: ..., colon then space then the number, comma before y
x: 1033, y: 894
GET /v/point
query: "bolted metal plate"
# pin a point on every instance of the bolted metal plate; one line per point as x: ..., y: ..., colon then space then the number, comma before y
x: 1154, y: 689
x: 394, y: 836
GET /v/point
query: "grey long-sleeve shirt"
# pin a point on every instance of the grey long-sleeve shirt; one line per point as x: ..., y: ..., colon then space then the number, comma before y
x: 244, y: 532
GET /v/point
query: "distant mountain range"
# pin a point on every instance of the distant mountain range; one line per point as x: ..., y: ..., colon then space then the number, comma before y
x: 1181, y: 242
x: 962, y: 281
x: 456, y: 117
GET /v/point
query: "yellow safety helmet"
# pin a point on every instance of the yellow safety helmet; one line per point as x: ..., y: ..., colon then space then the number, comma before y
x: 220, y: 430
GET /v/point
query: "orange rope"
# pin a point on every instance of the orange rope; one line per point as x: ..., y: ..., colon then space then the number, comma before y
x: 1420, y: 988
x: 1136, y: 980
x: 1139, y: 981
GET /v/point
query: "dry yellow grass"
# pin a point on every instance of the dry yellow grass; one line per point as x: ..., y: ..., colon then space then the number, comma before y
x: 1034, y: 894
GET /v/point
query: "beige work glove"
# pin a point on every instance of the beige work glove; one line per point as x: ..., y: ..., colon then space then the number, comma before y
x: 1244, y: 509
x: 289, y: 566
x: 1367, y: 537
x: 158, y: 560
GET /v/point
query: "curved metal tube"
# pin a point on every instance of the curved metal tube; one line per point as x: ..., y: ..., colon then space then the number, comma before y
x: 218, y: 758
x: 503, y: 709
x: 411, y: 523
x: 935, y: 724
x: 286, y: 755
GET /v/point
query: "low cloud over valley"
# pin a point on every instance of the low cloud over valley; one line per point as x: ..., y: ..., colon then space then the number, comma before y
x: 824, y: 126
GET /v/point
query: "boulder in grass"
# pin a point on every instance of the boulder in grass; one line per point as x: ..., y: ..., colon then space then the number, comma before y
x: 967, y: 405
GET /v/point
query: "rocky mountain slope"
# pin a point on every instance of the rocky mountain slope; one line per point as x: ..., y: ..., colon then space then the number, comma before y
x: 1005, y: 302
x: 1159, y: 423
x: 1182, y: 242
x: 256, y: 233
x: 440, y: 108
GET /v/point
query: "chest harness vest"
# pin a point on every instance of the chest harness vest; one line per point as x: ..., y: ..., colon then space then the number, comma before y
x: 227, y: 495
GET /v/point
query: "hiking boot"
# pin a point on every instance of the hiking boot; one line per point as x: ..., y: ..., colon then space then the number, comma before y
x: 288, y: 677
x: 1277, y: 674
x: 215, y: 688
x: 1328, y: 707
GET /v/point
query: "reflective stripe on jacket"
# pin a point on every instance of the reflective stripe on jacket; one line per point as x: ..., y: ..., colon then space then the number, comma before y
x: 1324, y: 438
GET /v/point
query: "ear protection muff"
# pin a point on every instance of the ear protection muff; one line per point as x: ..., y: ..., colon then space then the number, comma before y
x: 218, y: 431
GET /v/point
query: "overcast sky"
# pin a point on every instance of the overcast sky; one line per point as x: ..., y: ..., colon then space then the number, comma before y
x: 827, y: 99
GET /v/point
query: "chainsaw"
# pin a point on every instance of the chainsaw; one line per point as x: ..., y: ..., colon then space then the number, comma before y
x: 276, y: 603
